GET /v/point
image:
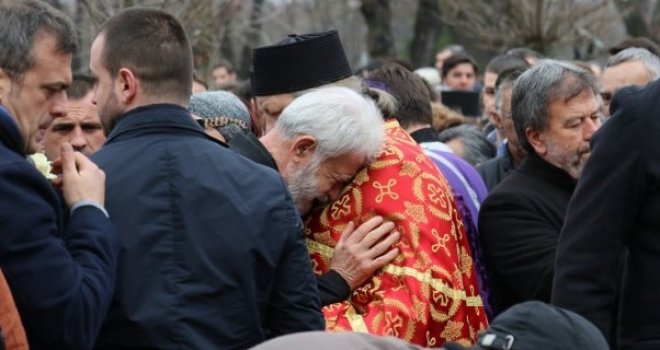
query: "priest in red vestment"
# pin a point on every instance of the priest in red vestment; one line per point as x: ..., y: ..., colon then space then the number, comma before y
x: 429, y: 294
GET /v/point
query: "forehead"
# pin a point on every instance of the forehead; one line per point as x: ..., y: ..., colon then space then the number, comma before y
x: 275, y: 101
x: 583, y: 104
x: 626, y: 73
x: 50, y: 64
x: 490, y: 78
x: 462, y: 68
x: 220, y: 70
x: 82, y: 109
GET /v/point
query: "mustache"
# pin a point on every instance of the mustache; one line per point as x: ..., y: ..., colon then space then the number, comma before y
x: 584, y: 149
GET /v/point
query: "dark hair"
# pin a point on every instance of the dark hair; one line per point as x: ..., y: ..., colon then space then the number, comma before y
x: 524, y: 53
x: 198, y: 79
x: 414, y: 102
x: 476, y: 147
x: 500, y: 63
x: 80, y: 86
x: 153, y: 45
x: 457, y: 59
x: 223, y: 63
x: 20, y: 21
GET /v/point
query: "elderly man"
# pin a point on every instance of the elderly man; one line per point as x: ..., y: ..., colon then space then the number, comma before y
x: 632, y: 66
x: 356, y: 258
x: 81, y: 126
x: 62, y: 278
x: 429, y: 293
x: 213, y: 250
x: 555, y: 111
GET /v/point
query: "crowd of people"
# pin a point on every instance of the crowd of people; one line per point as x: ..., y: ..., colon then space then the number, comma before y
x: 314, y: 203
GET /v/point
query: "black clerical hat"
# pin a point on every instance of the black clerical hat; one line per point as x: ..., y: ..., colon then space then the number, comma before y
x: 299, y: 62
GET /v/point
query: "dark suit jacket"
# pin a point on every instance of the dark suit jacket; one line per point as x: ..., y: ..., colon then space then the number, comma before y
x: 495, y: 170
x: 212, y: 247
x: 617, y: 206
x: 519, y: 225
x: 332, y: 287
x: 62, y: 279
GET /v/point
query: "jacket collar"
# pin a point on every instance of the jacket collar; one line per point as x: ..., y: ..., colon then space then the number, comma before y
x: 537, y: 167
x: 156, y: 116
x: 10, y: 136
x: 251, y: 148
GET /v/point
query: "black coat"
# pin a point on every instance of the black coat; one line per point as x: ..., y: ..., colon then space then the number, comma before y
x: 519, y: 225
x: 212, y: 247
x: 62, y: 279
x: 332, y: 287
x: 496, y: 169
x: 617, y: 206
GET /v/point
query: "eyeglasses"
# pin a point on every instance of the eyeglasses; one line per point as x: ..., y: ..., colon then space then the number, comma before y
x: 506, y: 115
x: 606, y: 96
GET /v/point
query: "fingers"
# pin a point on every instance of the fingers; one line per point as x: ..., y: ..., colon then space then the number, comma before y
x: 348, y: 231
x: 384, y: 245
x: 376, y: 234
x: 366, y: 228
x: 385, y: 259
x: 82, y: 162
x: 68, y: 159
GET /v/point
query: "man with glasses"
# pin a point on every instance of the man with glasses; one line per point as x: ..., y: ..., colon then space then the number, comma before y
x: 495, y: 67
x: 496, y: 169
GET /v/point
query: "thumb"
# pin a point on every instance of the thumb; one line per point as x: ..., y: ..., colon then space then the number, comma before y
x: 68, y: 159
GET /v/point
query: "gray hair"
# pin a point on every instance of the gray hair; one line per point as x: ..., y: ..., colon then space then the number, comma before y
x: 476, y: 147
x: 20, y: 21
x: 384, y: 100
x: 651, y: 62
x: 505, y: 80
x: 341, y: 120
x: 547, y: 81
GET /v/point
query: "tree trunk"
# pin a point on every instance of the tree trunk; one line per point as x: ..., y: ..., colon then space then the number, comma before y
x: 378, y: 16
x: 253, y: 36
x: 427, y: 23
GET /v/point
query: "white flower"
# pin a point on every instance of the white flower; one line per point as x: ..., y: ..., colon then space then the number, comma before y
x: 43, y: 165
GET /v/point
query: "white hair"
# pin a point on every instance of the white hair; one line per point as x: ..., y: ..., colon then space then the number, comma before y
x: 341, y: 120
x: 650, y: 61
x: 384, y: 100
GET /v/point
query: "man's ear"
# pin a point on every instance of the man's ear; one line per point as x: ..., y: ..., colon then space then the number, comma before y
x: 534, y: 138
x: 496, y: 119
x: 127, y: 85
x: 302, y: 147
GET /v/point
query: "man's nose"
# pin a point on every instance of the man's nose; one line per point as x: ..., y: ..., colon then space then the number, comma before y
x: 58, y: 105
x: 78, y: 140
x: 590, y: 126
